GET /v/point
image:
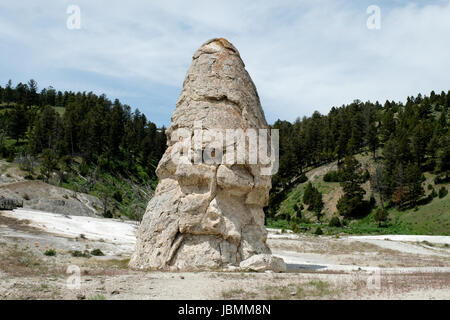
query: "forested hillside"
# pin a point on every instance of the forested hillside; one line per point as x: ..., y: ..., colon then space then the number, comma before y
x: 405, y: 143
x: 84, y: 141
x: 80, y: 141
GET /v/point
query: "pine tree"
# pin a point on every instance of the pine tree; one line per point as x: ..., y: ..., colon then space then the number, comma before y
x: 17, y: 122
x: 308, y: 194
x: 317, y: 204
x: 414, y: 180
x: 351, y: 203
x: 443, y: 156
x: 380, y: 184
x: 381, y: 215
x: 116, y: 129
x: 8, y: 94
x: 49, y: 163
x: 45, y: 134
x: 32, y: 95
x: 372, y: 139
x: 388, y: 126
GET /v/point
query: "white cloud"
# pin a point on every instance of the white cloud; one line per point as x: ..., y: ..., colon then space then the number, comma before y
x: 301, y: 56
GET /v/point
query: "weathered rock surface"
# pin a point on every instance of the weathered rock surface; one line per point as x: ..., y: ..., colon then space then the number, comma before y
x: 263, y: 262
x: 38, y: 195
x: 9, y: 203
x: 207, y: 215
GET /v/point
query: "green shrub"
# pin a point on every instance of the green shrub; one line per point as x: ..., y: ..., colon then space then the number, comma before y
x: 118, y: 196
x: 294, y: 227
x: 366, y: 175
x: 372, y: 201
x: 433, y: 193
x: 335, y: 222
x: 97, y: 252
x: 29, y: 177
x: 108, y: 214
x: 318, y: 231
x: 84, y: 168
x: 25, y: 196
x: 308, y: 194
x: 381, y: 215
x: 313, y: 198
x: 303, y: 178
x: 332, y: 176
x: 442, y: 192
x: 77, y: 253
x: 50, y: 252
x: 441, y: 179
x: 430, y: 187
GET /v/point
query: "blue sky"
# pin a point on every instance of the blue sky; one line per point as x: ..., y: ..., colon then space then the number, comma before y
x: 302, y: 55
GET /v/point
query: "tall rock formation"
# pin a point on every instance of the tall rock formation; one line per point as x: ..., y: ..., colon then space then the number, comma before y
x: 207, y: 211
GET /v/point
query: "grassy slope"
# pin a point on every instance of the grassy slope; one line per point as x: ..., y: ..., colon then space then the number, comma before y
x: 134, y: 200
x: 429, y: 219
x: 134, y: 196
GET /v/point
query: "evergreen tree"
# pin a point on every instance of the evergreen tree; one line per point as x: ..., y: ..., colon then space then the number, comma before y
x: 372, y: 139
x: 17, y: 122
x: 351, y: 203
x: 381, y: 215
x: 32, y: 95
x: 443, y: 156
x: 49, y: 163
x: 380, y: 184
x: 414, y: 178
x: 308, y: 194
x: 388, y: 125
x: 317, y: 204
x: 8, y: 94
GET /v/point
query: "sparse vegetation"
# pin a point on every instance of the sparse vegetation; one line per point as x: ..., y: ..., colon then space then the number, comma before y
x: 335, y: 222
x: 82, y: 142
x: 381, y: 215
x: 50, y: 252
x: 318, y: 231
x: 77, y: 253
x: 404, y: 148
x: 22, y: 261
x: 442, y: 192
x: 97, y: 252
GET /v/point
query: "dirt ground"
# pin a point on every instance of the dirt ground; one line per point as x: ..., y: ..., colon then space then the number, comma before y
x: 41, y: 260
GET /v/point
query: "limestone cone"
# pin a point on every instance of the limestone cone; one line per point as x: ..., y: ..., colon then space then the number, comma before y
x: 207, y: 216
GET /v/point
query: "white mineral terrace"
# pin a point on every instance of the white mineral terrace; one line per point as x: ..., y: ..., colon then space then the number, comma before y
x: 122, y: 236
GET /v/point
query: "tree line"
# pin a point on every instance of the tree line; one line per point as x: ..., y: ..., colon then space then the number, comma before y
x: 64, y: 125
x: 405, y: 140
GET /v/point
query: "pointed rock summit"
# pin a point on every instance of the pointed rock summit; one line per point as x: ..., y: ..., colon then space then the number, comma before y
x: 207, y: 211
